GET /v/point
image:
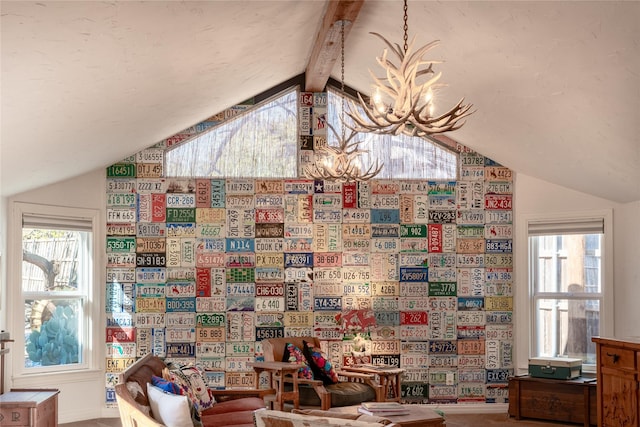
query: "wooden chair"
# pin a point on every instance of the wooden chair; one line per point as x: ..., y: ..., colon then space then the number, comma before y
x: 353, y: 388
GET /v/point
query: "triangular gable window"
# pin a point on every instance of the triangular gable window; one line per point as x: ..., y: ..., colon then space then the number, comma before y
x: 404, y: 157
x: 260, y: 142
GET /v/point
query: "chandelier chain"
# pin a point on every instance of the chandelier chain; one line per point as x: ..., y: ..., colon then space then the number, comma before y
x: 342, y: 113
x: 406, y: 27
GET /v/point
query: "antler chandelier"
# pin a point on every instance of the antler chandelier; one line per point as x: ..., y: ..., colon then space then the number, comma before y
x: 342, y: 162
x: 400, y: 104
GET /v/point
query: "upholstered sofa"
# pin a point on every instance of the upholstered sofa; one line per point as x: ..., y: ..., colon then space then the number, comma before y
x: 232, y: 407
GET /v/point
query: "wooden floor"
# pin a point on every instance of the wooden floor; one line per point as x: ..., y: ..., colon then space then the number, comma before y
x: 452, y: 420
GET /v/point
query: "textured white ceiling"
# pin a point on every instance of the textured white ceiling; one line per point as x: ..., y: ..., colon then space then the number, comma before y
x: 556, y: 84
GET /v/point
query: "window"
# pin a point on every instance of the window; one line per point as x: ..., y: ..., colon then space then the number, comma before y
x: 260, y: 142
x: 404, y: 157
x: 57, y: 282
x: 567, y: 278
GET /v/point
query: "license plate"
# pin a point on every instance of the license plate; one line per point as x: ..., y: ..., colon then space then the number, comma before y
x: 327, y: 259
x: 498, y: 231
x: 471, y: 318
x: 385, y: 347
x: 121, y: 185
x: 413, y: 289
x: 385, y: 303
x: 443, y: 347
x: 443, y: 325
x: 149, y: 229
x: 209, y: 245
x: 241, y: 303
x: 121, y: 170
x: 240, y: 186
x: 210, y: 349
x: 356, y: 274
x: 181, y: 200
x: 121, y: 350
x: 269, y: 304
x: 210, y: 320
x: 268, y: 332
x: 327, y: 303
x: 415, y: 347
x: 498, y: 173
x: 121, y: 275
x: 150, y: 275
x: 414, y: 274
x: 121, y: 229
x: 467, y: 361
x: 298, y: 245
x: 498, y: 202
x: 150, y: 244
x: 384, y: 202
x: 119, y: 334
x: 499, y: 303
x: 415, y: 392
x: 210, y: 334
x: 499, y: 332
x: 150, y: 320
x: 121, y: 260
x: 298, y: 319
x: 240, y: 349
x: 328, y: 333
x: 327, y: 215
x: 181, y: 274
x: 181, y: 305
x: 270, y: 274
x: 469, y: 260
x: 471, y: 392
x: 158, y: 259
x: 269, y: 259
x: 180, y: 335
x: 442, y: 289
x: 119, y: 365
x: 471, y: 346
x: 442, y: 274
x: 269, y: 244
x: 385, y: 289
x: 356, y: 216
x: 497, y: 394
x: 326, y: 320
x: 270, y: 319
x: 236, y: 275
x: 181, y: 230
x: 470, y: 303
x: 498, y: 275
x: 269, y: 215
x: 499, y: 217
x: 298, y: 260
x: 180, y: 320
x: 240, y: 380
x: 211, y: 215
x: 471, y: 375
x: 355, y: 244
x: 181, y: 349
x: 298, y: 230
x: 269, y: 230
x: 469, y: 195
x: 443, y: 361
x: 415, y: 361
x: 499, y: 260
x: 442, y: 216
x: 211, y: 230
x: 414, y: 332
x: 499, y: 376
x: 443, y: 377
x: 122, y: 320
x: 470, y: 246
x: 355, y: 289
x: 271, y: 199
x: 121, y: 244
x: 181, y: 215
x: 240, y: 245
x: 238, y: 363
x: 240, y: 259
x: 209, y: 260
x: 209, y: 304
x: 499, y: 317
x: 121, y: 200
x: 385, y: 245
x: 150, y: 305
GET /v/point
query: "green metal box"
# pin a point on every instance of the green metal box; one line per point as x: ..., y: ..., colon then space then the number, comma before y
x: 559, y: 368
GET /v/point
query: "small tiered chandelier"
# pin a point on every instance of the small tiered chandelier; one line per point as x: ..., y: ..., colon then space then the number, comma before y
x: 341, y: 163
x: 399, y: 103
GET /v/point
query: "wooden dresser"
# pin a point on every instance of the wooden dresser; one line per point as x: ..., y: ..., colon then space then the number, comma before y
x: 618, y: 376
x: 29, y: 408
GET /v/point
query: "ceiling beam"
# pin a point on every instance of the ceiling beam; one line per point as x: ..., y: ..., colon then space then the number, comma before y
x: 326, y: 49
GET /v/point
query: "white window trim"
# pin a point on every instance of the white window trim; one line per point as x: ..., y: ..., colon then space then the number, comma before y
x: 523, y: 293
x: 91, y: 355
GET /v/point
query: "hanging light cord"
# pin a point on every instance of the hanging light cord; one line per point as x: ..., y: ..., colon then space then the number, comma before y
x: 342, y: 78
x: 406, y: 27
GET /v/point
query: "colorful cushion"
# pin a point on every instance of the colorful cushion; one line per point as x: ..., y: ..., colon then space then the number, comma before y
x: 320, y: 364
x: 169, y: 409
x: 293, y: 354
x: 191, y: 381
x: 165, y: 385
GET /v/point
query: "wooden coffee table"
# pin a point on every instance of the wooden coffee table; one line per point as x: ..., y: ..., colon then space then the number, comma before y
x: 419, y: 416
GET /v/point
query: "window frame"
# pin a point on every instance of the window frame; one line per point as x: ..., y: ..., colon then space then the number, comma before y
x: 91, y: 313
x: 526, y: 317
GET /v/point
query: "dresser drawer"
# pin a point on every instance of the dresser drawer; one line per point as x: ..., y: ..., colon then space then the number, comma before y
x: 13, y: 417
x: 619, y: 358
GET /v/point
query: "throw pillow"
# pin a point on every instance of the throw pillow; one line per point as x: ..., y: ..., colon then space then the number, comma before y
x: 171, y: 410
x: 191, y: 381
x: 320, y: 364
x: 293, y: 354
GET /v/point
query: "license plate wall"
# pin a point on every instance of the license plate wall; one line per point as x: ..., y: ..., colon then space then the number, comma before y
x: 432, y: 260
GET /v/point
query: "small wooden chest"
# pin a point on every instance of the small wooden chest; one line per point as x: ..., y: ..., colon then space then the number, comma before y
x: 29, y: 408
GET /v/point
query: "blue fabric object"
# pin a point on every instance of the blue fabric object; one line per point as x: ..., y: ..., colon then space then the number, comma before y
x: 165, y: 385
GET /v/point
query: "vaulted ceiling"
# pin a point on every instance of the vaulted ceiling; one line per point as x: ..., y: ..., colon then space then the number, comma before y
x: 556, y: 85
